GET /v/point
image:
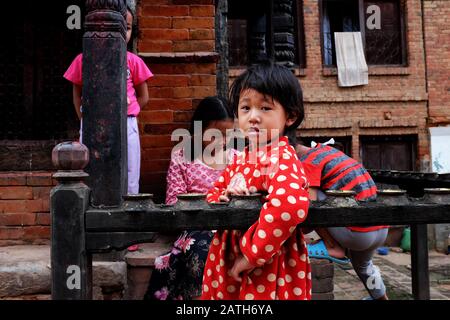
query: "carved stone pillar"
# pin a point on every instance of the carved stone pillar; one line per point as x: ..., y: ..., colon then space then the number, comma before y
x: 222, y: 47
x: 257, y: 42
x: 105, y: 100
x: 284, y: 32
x: 71, y: 262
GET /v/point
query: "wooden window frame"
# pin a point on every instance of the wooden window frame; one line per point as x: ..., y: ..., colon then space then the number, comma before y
x: 402, y: 21
x: 298, y: 33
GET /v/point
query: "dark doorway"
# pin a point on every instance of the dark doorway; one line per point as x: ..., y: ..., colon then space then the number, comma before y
x: 389, y: 152
x: 36, y: 109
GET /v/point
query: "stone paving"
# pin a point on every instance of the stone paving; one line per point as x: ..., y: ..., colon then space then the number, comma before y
x: 396, y: 271
x: 27, y: 269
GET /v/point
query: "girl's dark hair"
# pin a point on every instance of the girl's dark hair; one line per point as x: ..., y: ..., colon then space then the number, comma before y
x: 275, y: 81
x: 131, y: 7
x: 209, y: 109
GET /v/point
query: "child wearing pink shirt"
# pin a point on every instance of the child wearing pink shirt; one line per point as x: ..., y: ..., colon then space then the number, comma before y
x: 137, y: 97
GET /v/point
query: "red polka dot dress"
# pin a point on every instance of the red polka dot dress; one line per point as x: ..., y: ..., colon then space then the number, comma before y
x: 272, y: 244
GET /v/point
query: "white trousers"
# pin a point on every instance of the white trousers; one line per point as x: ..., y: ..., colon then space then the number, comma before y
x: 133, y: 152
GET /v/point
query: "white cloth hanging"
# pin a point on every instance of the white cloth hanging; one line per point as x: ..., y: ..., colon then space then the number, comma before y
x: 350, y: 59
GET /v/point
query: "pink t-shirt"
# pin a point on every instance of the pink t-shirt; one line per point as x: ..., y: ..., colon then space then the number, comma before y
x: 137, y: 72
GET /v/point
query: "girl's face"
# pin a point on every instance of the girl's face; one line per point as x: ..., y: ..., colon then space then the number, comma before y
x: 214, y: 141
x: 261, y: 118
x: 129, y: 25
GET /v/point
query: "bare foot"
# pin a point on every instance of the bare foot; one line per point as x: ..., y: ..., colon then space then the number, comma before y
x: 336, y: 252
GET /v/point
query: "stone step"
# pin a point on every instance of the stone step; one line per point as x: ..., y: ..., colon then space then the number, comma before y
x: 25, y: 272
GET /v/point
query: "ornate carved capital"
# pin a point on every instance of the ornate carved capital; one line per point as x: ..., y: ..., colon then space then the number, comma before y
x: 283, y: 28
x: 114, y: 5
x: 105, y: 17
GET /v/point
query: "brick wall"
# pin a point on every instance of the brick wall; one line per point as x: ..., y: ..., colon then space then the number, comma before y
x: 394, y: 102
x: 437, y: 44
x: 177, y: 42
x: 24, y: 207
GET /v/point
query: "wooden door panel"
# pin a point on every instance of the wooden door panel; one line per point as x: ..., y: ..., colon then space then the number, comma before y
x: 389, y: 152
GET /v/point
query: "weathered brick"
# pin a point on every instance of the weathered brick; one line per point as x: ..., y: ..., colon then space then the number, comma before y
x: 182, y: 116
x: 165, y: 34
x: 16, y: 193
x: 41, y: 192
x: 201, y: 11
x: 202, y: 80
x: 160, y: 92
x: 193, y: 22
x: 155, y: 141
x: 169, y: 104
x: 43, y: 218
x: 12, y: 179
x: 203, y: 91
x: 321, y: 269
x: 170, y: 80
x: 324, y: 285
x: 39, y: 179
x: 154, y: 2
x: 11, y: 233
x: 162, y: 116
x: 165, y: 11
x: 155, y: 22
x: 193, y: 46
x: 155, y: 46
x: 201, y: 34
x: 22, y: 206
x: 193, y: 2
x: 437, y: 31
x: 36, y: 232
x: 160, y: 129
x: 17, y: 219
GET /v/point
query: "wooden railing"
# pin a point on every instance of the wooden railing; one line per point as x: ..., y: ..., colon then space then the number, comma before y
x: 79, y: 230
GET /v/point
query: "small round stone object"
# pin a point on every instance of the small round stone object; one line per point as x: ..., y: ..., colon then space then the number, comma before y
x: 70, y: 156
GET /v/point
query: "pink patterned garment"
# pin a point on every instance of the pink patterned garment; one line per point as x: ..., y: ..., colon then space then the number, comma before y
x: 186, y: 176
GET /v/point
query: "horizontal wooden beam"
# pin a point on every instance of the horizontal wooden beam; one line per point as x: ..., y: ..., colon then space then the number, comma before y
x: 168, y: 219
x: 411, y: 179
x: 107, y: 241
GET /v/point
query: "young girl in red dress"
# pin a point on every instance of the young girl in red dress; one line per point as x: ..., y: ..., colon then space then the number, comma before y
x: 269, y: 260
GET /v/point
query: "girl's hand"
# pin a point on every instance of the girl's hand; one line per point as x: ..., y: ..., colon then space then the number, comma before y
x: 224, y: 198
x: 237, y: 190
x: 240, y: 265
x: 233, y: 190
x: 237, y: 186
